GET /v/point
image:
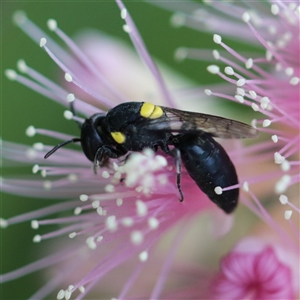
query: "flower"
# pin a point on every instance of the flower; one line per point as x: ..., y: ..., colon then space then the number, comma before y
x: 108, y: 222
x: 253, y: 274
x: 120, y: 223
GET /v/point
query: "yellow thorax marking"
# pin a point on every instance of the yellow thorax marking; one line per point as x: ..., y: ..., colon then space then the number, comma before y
x: 119, y: 137
x: 149, y: 110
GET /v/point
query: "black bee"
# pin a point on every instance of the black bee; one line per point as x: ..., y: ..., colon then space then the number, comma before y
x: 134, y: 126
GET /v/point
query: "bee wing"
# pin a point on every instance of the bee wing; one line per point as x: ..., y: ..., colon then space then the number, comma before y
x: 183, y: 121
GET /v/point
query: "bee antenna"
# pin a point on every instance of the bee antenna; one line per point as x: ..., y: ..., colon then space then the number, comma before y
x: 75, y: 140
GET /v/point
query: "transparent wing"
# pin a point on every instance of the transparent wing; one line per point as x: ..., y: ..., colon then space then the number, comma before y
x: 179, y: 121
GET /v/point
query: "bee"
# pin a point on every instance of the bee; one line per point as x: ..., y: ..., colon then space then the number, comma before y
x: 135, y: 126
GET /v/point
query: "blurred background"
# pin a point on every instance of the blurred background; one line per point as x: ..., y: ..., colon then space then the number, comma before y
x: 21, y: 107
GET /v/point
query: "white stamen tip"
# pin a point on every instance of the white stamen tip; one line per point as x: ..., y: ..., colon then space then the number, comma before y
x: 289, y: 71
x: 288, y: 214
x: 279, y: 159
x: 34, y: 224
x: 266, y: 123
x: 77, y: 211
x: 83, y: 197
x: 70, y: 97
x: 19, y: 17
x: 11, y: 74
x: 119, y: 201
x: 153, y: 223
x: 255, y: 107
x: 68, y: 115
x: 180, y: 54
x: 285, y: 166
x: 35, y: 169
x: 95, y: 204
x: 207, y: 92
x: 213, y: 69
x: 239, y: 98
x: 38, y: 146
x: 253, y: 94
x: 229, y: 71
x: 283, y: 199
x: 37, y: 238
x: 136, y: 237
x: 72, y: 235
x: 123, y: 13
x: 60, y: 295
x: 30, y: 131
x: 274, y: 9
x: 127, y: 221
x: 246, y: 186
x: 216, y: 54
x: 81, y: 289
x: 90, y: 241
x: 264, y: 102
x: 295, y: 81
x: 111, y: 223
x: 274, y: 138
x: 105, y: 174
x: 240, y: 91
x: 269, y: 55
x: 178, y: 19
x: 68, y: 77
x: 143, y: 256
x: 109, y: 188
x: 52, y: 24
x: 3, y: 223
x: 246, y: 17
x: 21, y: 65
x: 47, y: 185
x: 43, y: 42
x: 141, y: 208
x: 249, y: 63
x: 218, y: 190
x: 126, y: 28
x: 282, y: 184
x: 241, y: 82
x: 217, y: 38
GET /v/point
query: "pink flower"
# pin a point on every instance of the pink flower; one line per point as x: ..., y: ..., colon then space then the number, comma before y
x: 113, y: 226
x: 253, y: 274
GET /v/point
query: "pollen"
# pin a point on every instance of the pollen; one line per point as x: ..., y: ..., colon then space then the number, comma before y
x: 119, y: 137
x: 157, y: 113
x: 149, y: 110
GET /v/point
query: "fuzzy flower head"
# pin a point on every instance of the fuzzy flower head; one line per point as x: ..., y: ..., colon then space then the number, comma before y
x: 120, y: 213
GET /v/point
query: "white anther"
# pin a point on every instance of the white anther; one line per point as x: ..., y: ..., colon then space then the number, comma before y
x: 217, y: 38
x: 52, y: 24
x: 43, y: 42
x: 213, y: 69
x: 283, y: 199
x: 229, y: 71
x: 83, y: 197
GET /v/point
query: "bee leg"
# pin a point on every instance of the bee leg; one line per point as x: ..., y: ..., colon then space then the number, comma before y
x: 164, y: 147
x: 103, y: 154
x: 176, y: 154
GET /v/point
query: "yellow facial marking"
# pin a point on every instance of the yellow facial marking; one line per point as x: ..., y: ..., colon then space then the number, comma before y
x: 119, y: 137
x: 148, y: 110
x: 157, y: 113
